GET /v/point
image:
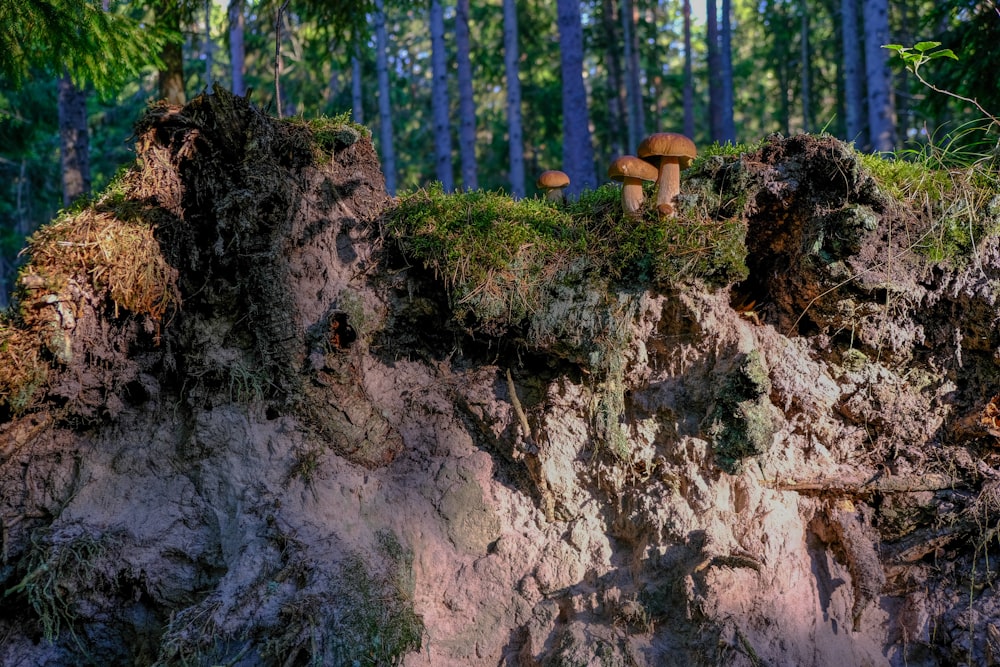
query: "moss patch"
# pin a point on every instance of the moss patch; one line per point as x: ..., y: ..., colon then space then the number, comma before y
x: 740, y: 424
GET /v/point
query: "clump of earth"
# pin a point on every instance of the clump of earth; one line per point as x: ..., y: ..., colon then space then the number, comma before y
x: 267, y: 444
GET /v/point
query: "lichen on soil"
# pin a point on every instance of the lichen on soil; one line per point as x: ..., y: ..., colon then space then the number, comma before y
x: 254, y: 411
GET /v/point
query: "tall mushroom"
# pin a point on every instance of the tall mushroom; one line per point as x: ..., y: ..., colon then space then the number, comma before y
x: 631, y: 172
x: 551, y: 183
x: 669, y: 153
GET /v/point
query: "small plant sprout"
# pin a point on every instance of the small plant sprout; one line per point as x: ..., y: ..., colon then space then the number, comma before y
x: 923, y: 52
x: 631, y: 172
x: 552, y: 183
x: 669, y: 153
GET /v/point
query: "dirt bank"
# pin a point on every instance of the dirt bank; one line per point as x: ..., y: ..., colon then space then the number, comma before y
x: 244, y: 423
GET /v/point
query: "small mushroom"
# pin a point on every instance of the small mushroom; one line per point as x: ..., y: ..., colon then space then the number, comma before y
x: 631, y: 172
x: 669, y: 153
x: 551, y: 183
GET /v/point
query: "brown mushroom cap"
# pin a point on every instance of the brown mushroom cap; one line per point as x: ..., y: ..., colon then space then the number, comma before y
x: 552, y: 179
x: 629, y: 166
x: 667, y: 144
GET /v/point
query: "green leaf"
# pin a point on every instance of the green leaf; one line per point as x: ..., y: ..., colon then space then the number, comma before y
x: 926, y: 46
x: 943, y: 53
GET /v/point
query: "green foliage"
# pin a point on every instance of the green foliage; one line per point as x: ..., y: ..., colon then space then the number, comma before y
x: 920, y: 53
x: 103, y: 48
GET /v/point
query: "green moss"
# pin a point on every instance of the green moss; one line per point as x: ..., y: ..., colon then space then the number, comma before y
x: 740, y: 423
x: 960, y: 201
x: 498, y: 257
x: 331, y: 134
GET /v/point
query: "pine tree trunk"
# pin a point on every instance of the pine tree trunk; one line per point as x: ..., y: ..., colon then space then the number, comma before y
x: 578, y: 152
x: 727, y: 125
x: 854, y: 98
x: 515, y: 133
x: 616, y: 131
x: 688, y: 73
x: 74, y: 140
x: 805, y: 69
x: 881, y: 115
x: 636, y: 115
x: 171, y: 75
x: 466, y: 100
x: 714, y: 72
x: 237, y: 46
x: 384, y: 105
x: 209, y: 47
x: 357, y: 101
x: 439, y: 99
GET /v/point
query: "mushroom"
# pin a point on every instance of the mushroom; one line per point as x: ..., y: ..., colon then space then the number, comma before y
x: 669, y: 153
x: 551, y: 183
x: 631, y: 171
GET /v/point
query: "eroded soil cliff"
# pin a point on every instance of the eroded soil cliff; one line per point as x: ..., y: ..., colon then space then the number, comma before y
x: 243, y: 425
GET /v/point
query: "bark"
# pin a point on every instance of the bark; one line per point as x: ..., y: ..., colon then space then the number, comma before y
x: 616, y: 104
x: 805, y: 69
x: 688, y: 73
x: 357, y: 101
x: 209, y: 47
x: 515, y: 133
x: 854, y: 96
x: 237, y: 45
x: 466, y: 99
x: 636, y: 116
x: 439, y: 99
x: 578, y: 153
x: 74, y: 141
x: 384, y: 105
x: 727, y: 125
x: 881, y: 115
x: 171, y: 75
x: 714, y: 73
x: 279, y: 20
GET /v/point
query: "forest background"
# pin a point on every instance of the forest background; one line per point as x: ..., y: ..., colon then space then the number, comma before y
x: 485, y: 94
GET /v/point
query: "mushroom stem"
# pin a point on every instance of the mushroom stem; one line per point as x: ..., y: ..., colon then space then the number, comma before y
x: 632, y: 197
x: 555, y: 194
x: 668, y: 184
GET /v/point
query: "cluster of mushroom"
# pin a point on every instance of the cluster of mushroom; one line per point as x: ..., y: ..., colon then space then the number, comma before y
x: 661, y: 157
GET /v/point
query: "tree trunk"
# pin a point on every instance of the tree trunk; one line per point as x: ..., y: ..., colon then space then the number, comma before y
x: 806, y: 78
x: 578, y: 152
x: 466, y: 100
x: 727, y: 124
x: 357, y: 101
x: 616, y: 131
x: 384, y: 105
x: 714, y: 72
x: 209, y: 47
x: 237, y: 45
x: 171, y: 75
x: 636, y: 116
x: 439, y: 99
x: 74, y: 141
x: 688, y: 74
x: 515, y: 133
x: 881, y: 115
x: 854, y: 97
